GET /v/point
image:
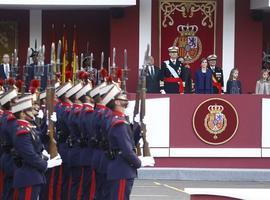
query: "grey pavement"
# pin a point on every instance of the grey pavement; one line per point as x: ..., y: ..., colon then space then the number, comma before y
x: 174, y: 189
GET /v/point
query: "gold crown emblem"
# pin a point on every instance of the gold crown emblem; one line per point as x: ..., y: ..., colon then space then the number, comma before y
x: 215, y: 108
x: 187, y: 30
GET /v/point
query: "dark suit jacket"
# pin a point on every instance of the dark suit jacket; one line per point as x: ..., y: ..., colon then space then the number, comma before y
x: 153, y: 81
x: 2, y: 72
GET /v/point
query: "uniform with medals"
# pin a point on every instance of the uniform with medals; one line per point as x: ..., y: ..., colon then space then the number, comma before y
x: 217, y: 77
x: 172, y: 73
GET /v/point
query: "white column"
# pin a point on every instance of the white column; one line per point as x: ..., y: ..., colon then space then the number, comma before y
x: 265, y: 128
x: 145, y: 26
x: 228, y: 55
x: 35, y: 29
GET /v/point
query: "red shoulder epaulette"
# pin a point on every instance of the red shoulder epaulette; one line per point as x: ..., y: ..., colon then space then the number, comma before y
x: 89, y: 110
x: 118, y: 122
x: 11, y: 117
x: 22, y: 132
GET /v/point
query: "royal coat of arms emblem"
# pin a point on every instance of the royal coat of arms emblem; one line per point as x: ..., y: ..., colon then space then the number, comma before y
x: 190, y: 45
x: 215, y: 121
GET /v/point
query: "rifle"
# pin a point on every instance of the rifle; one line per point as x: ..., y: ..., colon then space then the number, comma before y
x: 14, y: 65
x: 125, y: 73
x: 25, y: 70
x: 39, y: 69
x: 58, y: 62
x: 136, y: 112
x: 101, y: 72
x: 113, y: 67
x: 50, y: 93
x: 146, y: 149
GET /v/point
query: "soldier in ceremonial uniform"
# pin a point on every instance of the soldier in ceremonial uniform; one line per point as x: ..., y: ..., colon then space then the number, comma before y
x: 8, y: 129
x: 123, y: 165
x: 217, y: 72
x: 85, y: 117
x: 62, y: 134
x: 172, y: 73
x: 74, y: 142
x: 30, y: 162
x: 98, y: 140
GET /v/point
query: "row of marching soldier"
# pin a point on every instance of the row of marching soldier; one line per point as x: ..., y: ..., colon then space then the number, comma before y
x: 72, y: 141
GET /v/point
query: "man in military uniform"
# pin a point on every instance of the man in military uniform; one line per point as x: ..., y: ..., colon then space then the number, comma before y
x: 99, y: 121
x: 74, y: 142
x: 172, y: 73
x: 30, y: 163
x: 62, y: 109
x: 85, y: 119
x: 217, y: 77
x: 8, y: 129
x: 123, y: 164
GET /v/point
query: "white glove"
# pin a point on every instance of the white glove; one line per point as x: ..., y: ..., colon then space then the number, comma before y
x: 162, y: 92
x: 40, y: 114
x: 46, y: 154
x: 56, y: 161
x: 53, y: 117
x: 137, y: 118
x: 147, y: 161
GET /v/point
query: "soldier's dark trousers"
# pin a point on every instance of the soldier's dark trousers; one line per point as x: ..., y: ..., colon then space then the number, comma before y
x: 86, y: 185
x: 8, y: 188
x: 49, y: 190
x: 29, y: 193
x: 76, y: 184
x: 100, y: 186
x: 121, y: 189
x: 65, y: 181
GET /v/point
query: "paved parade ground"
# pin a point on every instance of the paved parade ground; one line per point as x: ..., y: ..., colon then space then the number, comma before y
x: 174, y: 190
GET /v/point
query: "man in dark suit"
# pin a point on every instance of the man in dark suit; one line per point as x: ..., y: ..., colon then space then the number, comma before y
x: 217, y: 77
x: 5, y: 67
x: 152, y: 77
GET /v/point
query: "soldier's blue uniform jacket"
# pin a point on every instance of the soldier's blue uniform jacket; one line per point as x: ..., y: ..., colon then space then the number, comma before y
x: 62, y: 112
x: 100, y: 161
x: 121, y: 142
x: 75, y: 135
x: 31, y: 166
x: 122, y: 168
x: 8, y: 130
x: 100, y: 120
x: 85, y: 119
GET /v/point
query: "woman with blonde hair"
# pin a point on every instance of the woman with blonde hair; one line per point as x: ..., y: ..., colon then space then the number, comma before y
x: 263, y: 85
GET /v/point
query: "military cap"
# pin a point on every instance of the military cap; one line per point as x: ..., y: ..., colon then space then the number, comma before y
x: 212, y: 57
x: 23, y: 105
x: 74, y: 90
x: 173, y: 49
x: 8, y: 96
x: 84, y: 90
x: 63, y: 89
x: 112, y: 93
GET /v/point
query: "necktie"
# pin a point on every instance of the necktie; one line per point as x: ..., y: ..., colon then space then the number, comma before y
x: 6, y: 70
x: 153, y: 70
